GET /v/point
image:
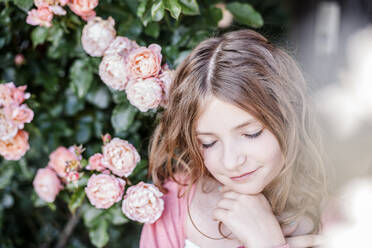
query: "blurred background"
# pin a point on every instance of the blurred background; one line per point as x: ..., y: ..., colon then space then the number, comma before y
x: 331, y: 40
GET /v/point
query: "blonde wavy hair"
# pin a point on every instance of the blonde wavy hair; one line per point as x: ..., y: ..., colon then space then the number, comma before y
x: 244, y: 69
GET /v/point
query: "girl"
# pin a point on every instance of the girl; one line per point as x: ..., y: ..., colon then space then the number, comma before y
x: 235, y: 151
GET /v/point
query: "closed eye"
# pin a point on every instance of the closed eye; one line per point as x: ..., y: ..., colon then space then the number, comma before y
x: 254, y: 135
x: 206, y: 146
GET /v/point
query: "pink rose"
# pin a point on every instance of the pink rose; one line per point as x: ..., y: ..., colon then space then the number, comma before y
x: 97, y: 35
x: 6, y: 94
x: 7, y: 128
x: 43, y: 3
x: 16, y: 147
x: 84, y: 8
x: 19, y: 59
x: 63, y: 2
x: 166, y: 77
x: 57, y: 10
x: 113, y: 71
x: 19, y: 94
x: 41, y: 16
x: 121, y: 45
x: 145, y: 94
x: 19, y: 115
x: 47, y: 184
x: 120, y: 157
x: 58, y: 160
x: 95, y: 163
x: 72, y: 176
x: 10, y: 94
x: 143, y: 203
x: 145, y: 62
x: 104, y: 190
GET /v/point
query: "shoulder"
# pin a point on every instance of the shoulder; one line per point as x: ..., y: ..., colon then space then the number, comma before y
x: 168, y: 230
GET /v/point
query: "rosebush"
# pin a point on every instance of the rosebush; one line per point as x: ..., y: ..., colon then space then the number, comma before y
x: 76, y: 96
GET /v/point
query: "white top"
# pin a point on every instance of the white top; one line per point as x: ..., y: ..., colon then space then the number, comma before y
x: 189, y: 244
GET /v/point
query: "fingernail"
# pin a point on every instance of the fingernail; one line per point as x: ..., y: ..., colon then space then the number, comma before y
x: 219, y: 188
x: 292, y: 223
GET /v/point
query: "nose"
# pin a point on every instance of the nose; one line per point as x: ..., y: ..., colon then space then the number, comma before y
x: 233, y: 157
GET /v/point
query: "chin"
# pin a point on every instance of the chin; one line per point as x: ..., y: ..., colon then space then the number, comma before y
x: 248, y: 189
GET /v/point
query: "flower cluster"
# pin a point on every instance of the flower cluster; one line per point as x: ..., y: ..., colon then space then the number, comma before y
x: 63, y: 167
x: 46, y: 9
x: 127, y: 66
x: 118, y: 159
x: 13, y: 115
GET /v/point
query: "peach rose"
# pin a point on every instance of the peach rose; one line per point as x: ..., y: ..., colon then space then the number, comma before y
x: 113, y: 71
x: 122, y: 46
x: 10, y: 94
x: 19, y: 115
x: 120, y: 157
x: 58, y: 160
x: 83, y: 8
x: 143, y: 203
x: 145, y: 62
x: 95, y: 163
x: 104, y: 190
x: 97, y: 36
x: 41, y: 16
x: 145, y: 94
x: 7, y: 128
x: 16, y: 147
x: 46, y: 184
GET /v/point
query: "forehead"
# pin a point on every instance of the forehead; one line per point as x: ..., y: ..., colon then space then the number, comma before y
x: 216, y: 114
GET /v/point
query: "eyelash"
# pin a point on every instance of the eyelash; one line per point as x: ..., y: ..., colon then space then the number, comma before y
x: 250, y: 136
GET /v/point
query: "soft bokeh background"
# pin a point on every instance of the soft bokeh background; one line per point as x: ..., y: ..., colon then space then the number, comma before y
x: 331, y: 40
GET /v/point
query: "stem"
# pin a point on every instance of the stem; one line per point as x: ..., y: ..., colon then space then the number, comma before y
x: 68, y: 229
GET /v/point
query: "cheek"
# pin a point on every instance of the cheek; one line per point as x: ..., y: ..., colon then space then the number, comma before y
x: 210, y: 161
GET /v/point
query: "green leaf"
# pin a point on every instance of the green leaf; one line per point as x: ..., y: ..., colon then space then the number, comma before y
x: 141, y: 9
x: 157, y: 11
x: 24, y: 5
x: 81, y: 77
x: 100, y: 97
x: 244, y: 13
x: 213, y: 15
x: 98, y: 234
x: 190, y: 7
x: 122, y: 117
x: 92, y: 216
x: 6, y: 174
x: 153, y: 29
x: 117, y: 216
x: 173, y: 7
x: 76, y: 200
x: 39, y: 35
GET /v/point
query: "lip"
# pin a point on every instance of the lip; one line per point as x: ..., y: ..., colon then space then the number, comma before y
x: 243, y: 176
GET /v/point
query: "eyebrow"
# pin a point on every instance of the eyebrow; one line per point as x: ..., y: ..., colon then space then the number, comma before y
x: 235, y: 128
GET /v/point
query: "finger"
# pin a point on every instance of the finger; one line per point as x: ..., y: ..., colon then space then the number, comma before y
x: 288, y: 229
x: 220, y: 214
x: 223, y: 189
x: 226, y: 204
x: 304, y: 241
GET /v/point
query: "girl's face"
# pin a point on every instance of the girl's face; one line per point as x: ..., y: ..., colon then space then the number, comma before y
x: 237, y: 150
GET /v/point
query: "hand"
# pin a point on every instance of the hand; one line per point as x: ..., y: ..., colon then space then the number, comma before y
x: 250, y: 219
x: 297, y: 233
